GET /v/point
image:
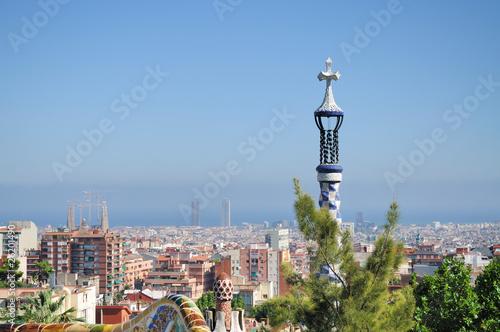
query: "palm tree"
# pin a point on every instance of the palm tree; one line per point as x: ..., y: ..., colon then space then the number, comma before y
x: 42, y: 310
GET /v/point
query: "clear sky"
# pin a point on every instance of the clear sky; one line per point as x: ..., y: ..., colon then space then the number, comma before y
x: 159, y: 100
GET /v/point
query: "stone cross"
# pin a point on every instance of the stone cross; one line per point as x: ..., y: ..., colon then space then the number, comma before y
x: 328, y: 102
x: 328, y: 75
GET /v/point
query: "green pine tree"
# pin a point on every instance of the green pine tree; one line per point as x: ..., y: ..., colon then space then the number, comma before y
x: 356, y: 298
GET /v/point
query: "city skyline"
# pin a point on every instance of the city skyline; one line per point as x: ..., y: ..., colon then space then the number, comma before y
x: 166, y: 102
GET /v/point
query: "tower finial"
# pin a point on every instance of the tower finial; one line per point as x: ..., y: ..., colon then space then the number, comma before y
x: 329, y: 106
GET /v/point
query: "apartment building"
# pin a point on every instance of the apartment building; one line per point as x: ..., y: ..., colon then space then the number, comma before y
x: 97, y: 253
x: 18, y: 237
x: 136, y: 268
x: 276, y: 258
x: 277, y: 238
x: 254, y: 262
x: 56, y: 249
x: 182, y: 273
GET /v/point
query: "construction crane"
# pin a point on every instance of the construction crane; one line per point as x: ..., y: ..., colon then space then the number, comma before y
x: 90, y: 191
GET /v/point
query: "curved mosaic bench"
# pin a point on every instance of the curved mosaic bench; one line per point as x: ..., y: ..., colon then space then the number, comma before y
x: 173, y: 313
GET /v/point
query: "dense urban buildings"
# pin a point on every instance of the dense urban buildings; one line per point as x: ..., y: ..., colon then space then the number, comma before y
x: 181, y: 272
x: 155, y: 261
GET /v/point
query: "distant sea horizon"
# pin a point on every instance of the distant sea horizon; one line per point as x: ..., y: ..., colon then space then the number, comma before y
x: 211, y: 218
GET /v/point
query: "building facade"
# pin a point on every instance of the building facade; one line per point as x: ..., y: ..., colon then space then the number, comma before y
x: 56, y: 249
x: 254, y: 262
x: 276, y: 258
x: 277, y: 238
x: 32, y: 256
x: 136, y: 268
x: 102, y: 254
x: 226, y: 213
x: 182, y: 273
x: 18, y: 237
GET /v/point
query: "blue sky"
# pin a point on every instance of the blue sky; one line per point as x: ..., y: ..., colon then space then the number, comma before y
x: 160, y: 100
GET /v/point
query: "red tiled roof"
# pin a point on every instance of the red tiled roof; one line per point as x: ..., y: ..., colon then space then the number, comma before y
x: 199, y: 258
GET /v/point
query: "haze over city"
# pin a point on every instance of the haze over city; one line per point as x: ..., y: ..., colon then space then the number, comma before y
x: 164, y: 101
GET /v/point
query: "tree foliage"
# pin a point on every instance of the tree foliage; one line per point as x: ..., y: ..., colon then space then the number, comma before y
x: 488, y: 292
x: 237, y: 302
x: 42, y: 309
x: 351, y: 298
x: 10, y: 274
x: 206, y: 301
x: 279, y: 310
x: 448, y: 302
x: 43, y: 271
x: 262, y: 311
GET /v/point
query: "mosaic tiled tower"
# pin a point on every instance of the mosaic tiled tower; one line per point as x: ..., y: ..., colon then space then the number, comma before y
x: 223, y: 292
x: 329, y: 118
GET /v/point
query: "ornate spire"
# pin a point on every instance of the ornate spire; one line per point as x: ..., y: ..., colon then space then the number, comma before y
x: 329, y: 118
x: 329, y: 107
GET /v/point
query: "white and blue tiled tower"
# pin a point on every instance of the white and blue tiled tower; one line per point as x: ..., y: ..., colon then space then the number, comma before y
x: 329, y: 118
